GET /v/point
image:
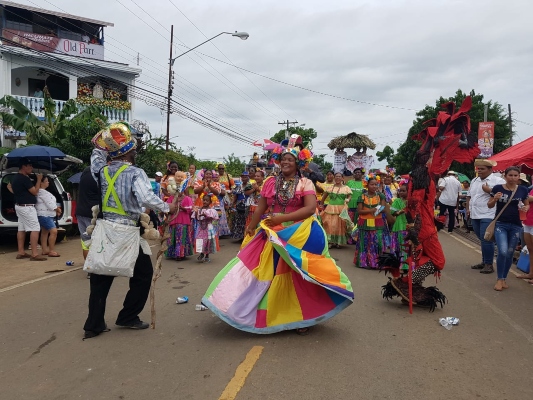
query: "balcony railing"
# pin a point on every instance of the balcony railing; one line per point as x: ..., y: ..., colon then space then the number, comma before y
x: 36, y: 106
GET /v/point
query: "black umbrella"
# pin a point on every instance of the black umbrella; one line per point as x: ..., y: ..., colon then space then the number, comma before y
x: 41, y: 157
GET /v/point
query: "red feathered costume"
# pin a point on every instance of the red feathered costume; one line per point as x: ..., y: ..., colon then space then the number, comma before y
x: 445, y: 139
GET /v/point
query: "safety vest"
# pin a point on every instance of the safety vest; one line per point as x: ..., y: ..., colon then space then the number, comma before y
x: 112, y: 192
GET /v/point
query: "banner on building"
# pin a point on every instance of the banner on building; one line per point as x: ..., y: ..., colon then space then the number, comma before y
x: 485, y: 139
x: 52, y: 44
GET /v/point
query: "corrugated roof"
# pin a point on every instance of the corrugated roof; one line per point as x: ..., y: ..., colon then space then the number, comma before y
x: 56, y: 13
x: 86, y: 62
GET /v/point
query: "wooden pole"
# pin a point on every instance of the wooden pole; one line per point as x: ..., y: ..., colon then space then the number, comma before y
x: 169, y: 86
x: 510, y: 126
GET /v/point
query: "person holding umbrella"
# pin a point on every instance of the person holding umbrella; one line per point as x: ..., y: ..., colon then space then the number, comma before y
x: 25, y: 193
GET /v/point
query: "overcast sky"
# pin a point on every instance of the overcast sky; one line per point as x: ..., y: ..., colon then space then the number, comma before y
x: 394, y: 53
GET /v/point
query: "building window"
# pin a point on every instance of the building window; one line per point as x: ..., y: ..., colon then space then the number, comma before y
x: 19, y: 26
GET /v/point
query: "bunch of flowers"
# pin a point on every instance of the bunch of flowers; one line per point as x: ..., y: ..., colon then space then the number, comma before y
x: 111, y: 94
x: 93, y: 101
x: 371, y: 175
x: 304, y: 157
x: 84, y: 89
x: 391, y: 171
x: 276, y: 155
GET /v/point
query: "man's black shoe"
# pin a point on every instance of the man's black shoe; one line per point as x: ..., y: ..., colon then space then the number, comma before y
x: 91, y: 334
x: 136, y: 325
x: 478, y: 266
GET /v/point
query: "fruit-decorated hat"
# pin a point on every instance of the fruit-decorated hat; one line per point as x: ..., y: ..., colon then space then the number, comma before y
x: 303, y: 157
x: 116, y: 139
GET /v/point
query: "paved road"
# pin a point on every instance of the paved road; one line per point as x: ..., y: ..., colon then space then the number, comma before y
x: 373, y: 350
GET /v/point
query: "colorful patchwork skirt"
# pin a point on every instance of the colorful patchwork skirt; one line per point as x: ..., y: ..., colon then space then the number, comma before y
x: 283, y: 278
x: 369, y: 245
x: 180, y: 241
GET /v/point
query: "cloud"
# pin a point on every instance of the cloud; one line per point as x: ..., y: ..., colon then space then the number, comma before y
x: 396, y: 53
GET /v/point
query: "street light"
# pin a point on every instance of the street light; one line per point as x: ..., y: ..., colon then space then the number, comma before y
x: 240, y: 35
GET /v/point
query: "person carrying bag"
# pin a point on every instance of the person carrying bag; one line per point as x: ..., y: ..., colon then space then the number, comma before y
x: 116, y: 248
x: 489, y: 232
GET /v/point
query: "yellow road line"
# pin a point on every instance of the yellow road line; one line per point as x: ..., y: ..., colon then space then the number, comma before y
x: 237, y: 382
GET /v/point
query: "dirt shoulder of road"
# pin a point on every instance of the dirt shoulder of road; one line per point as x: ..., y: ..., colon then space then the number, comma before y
x: 13, y: 271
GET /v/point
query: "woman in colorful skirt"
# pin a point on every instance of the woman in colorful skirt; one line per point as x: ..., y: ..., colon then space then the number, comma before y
x: 253, y: 200
x: 222, y: 226
x: 205, y: 230
x: 240, y: 197
x: 399, y: 229
x: 283, y: 278
x: 180, y: 229
x: 335, y: 226
x: 369, y: 242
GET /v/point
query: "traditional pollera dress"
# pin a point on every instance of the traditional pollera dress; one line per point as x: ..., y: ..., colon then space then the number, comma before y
x: 333, y: 223
x: 369, y: 242
x: 283, y: 278
x: 239, y: 218
x: 399, y: 231
x: 205, y: 230
x: 223, y: 227
x: 180, y: 242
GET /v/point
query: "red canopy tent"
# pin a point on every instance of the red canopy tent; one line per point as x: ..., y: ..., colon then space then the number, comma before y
x: 520, y: 155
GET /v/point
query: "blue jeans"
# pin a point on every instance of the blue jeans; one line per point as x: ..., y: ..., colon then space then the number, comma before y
x: 487, y: 247
x: 507, y: 236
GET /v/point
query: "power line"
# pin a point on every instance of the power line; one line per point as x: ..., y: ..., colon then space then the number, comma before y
x: 156, y: 64
x: 227, y: 58
x: 190, y: 113
x: 257, y: 105
x: 276, y: 80
x: 149, y: 101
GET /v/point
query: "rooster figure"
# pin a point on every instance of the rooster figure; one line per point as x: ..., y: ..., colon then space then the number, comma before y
x: 445, y: 139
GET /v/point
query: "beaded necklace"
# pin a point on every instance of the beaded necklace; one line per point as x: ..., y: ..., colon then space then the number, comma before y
x: 285, y: 190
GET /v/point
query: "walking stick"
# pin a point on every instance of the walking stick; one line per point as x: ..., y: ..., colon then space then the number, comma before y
x: 410, y: 282
x: 158, y: 265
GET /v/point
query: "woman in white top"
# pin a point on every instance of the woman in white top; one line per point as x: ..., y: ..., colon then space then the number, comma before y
x: 47, y: 209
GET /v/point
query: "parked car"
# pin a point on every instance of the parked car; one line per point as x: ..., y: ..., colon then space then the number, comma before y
x: 8, y: 217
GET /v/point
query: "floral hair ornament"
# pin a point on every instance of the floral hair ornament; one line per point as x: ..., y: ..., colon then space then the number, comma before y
x: 303, y: 157
x: 391, y: 171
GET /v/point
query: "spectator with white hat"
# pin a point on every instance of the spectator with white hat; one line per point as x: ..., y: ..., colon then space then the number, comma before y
x: 449, y: 189
x: 481, y: 215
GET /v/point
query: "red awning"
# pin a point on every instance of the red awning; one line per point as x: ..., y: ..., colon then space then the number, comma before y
x: 520, y: 155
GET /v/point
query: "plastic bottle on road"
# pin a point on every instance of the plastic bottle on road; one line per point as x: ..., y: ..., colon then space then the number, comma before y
x: 182, y: 300
x: 201, y: 307
x: 444, y: 322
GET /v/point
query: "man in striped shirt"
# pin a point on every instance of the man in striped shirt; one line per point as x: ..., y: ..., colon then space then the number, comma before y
x: 125, y: 189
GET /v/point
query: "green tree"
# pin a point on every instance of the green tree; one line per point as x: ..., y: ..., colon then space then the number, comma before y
x: 403, y: 159
x: 324, y: 165
x: 387, y: 154
x: 234, y: 165
x: 54, y: 127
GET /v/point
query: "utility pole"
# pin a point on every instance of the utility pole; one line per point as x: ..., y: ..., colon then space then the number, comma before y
x: 510, y: 126
x: 287, y: 123
x: 169, y: 86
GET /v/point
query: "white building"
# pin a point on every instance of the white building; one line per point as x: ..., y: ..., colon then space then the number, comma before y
x: 65, y: 53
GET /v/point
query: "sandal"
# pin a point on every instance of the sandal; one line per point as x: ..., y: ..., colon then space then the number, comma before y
x: 38, y: 258
x: 302, y: 331
x: 21, y: 256
x: 524, y: 276
x: 207, y: 260
x: 53, y: 254
x: 200, y: 258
